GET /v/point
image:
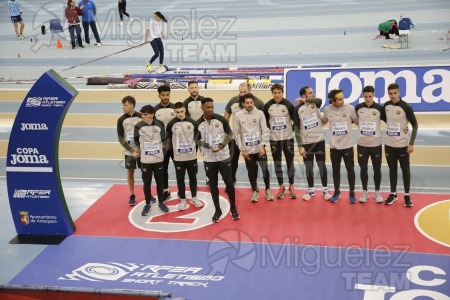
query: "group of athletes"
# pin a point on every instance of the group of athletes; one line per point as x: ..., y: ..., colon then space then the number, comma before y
x: 154, y: 135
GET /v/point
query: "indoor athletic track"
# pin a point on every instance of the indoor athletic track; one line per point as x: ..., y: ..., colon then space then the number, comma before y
x: 277, y: 250
x: 285, y: 249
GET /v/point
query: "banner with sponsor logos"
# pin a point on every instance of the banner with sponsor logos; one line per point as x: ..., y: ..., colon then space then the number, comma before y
x: 36, y: 197
x: 233, y: 266
x: 425, y: 88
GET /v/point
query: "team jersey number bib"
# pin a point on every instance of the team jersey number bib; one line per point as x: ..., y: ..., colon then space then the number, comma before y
x: 368, y: 128
x: 393, y: 129
x: 251, y: 139
x: 310, y: 121
x: 184, y: 146
x: 130, y: 138
x: 214, y: 139
x: 339, y: 128
x: 151, y: 148
x: 279, y: 123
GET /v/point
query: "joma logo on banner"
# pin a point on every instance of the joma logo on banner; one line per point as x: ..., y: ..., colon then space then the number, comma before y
x: 419, y: 86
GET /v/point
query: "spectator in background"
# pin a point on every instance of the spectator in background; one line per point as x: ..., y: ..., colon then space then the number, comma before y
x: 154, y: 33
x: 88, y: 12
x: 386, y: 28
x: 72, y: 13
x: 15, y: 13
x: 123, y: 11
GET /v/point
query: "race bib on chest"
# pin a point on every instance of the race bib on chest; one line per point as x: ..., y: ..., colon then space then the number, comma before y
x: 252, y: 139
x: 279, y: 123
x: 393, y: 129
x: 130, y: 138
x: 339, y: 128
x: 310, y: 121
x: 184, y: 146
x: 368, y: 128
x: 151, y: 148
x: 214, y: 139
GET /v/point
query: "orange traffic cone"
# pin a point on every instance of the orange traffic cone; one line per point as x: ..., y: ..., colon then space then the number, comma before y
x: 58, y: 44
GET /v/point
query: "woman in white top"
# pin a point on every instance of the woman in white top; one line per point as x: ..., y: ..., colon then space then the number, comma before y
x: 155, y: 30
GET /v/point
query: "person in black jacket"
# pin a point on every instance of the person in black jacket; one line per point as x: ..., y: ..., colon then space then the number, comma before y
x: 122, y: 6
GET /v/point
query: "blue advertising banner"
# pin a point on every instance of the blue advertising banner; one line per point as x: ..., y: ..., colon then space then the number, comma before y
x: 425, y: 88
x: 222, y: 269
x: 36, y: 198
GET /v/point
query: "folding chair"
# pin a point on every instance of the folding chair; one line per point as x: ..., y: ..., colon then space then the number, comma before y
x: 55, y: 26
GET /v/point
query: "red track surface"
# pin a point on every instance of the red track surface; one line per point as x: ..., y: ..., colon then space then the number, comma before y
x: 314, y: 222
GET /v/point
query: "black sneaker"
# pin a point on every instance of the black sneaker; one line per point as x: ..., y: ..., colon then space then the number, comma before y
x: 163, y: 207
x: 234, y: 214
x: 132, y: 201
x: 216, y: 216
x: 146, y: 210
x: 408, y: 202
x: 391, y: 199
x: 166, y: 195
x: 152, y: 199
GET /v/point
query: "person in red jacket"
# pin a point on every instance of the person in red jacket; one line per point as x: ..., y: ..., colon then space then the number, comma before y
x: 72, y: 13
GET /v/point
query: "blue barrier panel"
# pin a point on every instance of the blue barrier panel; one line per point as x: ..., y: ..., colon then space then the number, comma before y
x: 221, y: 269
x: 425, y: 88
x: 36, y: 198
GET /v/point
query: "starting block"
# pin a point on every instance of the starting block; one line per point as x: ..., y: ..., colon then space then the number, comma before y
x: 404, y: 39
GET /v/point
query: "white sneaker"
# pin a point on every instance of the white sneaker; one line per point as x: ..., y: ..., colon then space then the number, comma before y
x: 309, y: 193
x: 131, y: 20
x: 120, y: 23
x: 23, y: 36
x: 269, y: 196
x: 196, y: 202
x: 378, y: 198
x: 326, y: 195
x: 364, y: 196
x: 160, y: 70
x: 255, y: 196
x: 183, y: 205
x: 98, y: 44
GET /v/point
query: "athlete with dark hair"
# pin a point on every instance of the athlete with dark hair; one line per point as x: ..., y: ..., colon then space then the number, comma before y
x: 213, y: 134
x: 397, y: 147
